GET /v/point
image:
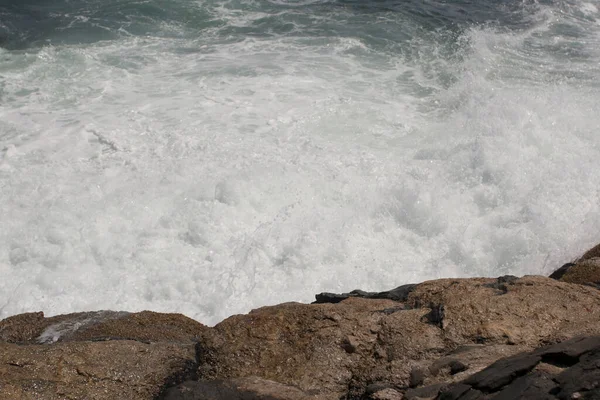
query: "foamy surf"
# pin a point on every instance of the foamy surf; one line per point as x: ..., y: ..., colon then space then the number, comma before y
x: 210, y: 158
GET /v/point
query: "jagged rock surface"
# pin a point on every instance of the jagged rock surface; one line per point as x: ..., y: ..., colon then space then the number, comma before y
x: 337, y: 350
x: 249, y: 388
x: 584, y: 271
x: 96, y: 355
x: 576, y: 375
x: 32, y: 328
x: 480, y: 338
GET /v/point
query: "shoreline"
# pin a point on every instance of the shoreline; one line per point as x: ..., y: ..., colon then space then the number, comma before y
x: 439, y: 339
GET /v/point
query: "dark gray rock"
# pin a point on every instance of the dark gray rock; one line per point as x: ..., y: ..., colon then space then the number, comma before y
x: 559, y: 273
x: 535, y: 386
x: 502, y: 372
x: 503, y: 282
x: 453, y: 366
x: 582, y: 378
x: 376, y: 387
x: 423, y: 392
x: 568, y: 352
x: 571, y: 370
x: 458, y: 391
x: 249, y: 388
x: 416, y: 378
x: 398, y: 294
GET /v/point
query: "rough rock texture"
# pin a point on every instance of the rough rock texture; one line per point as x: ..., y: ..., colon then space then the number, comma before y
x: 99, y: 355
x: 594, y: 252
x: 576, y: 375
x: 250, y: 388
x: 444, y: 330
x: 99, y: 325
x: 585, y: 270
x: 92, y: 370
x: 467, y: 339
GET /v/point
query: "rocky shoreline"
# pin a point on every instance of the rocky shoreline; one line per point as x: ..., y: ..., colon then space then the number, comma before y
x: 507, y: 338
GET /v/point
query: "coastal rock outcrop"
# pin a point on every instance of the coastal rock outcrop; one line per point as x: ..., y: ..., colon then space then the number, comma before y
x: 584, y: 271
x: 449, y: 339
x: 441, y: 332
x: 34, y: 328
x: 95, y: 355
x: 567, y: 370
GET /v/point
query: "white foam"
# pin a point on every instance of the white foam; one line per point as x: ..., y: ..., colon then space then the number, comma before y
x: 139, y: 176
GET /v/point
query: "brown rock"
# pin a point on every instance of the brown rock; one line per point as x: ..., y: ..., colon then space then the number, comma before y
x: 337, y: 349
x: 99, y: 325
x: 387, y: 394
x: 527, y: 311
x: 594, y: 252
x: 584, y: 271
x: 92, y: 370
x: 22, y: 328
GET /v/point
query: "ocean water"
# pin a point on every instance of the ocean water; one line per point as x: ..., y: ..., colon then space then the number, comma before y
x: 210, y: 157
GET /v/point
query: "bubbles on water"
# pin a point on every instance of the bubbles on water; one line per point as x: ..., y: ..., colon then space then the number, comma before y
x: 135, y: 175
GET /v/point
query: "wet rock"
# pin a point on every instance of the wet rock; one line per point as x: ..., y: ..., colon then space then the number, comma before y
x: 99, y: 325
x: 250, y: 388
x: 144, y: 326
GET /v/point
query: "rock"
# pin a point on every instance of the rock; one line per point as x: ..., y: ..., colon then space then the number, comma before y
x: 398, y: 294
x: 594, y: 252
x: 454, y: 339
x: 452, y: 365
x: 416, y: 377
x: 307, y: 345
x: 502, y: 372
x: 476, y: 311
x: 250, y: 388
x: 99, y: 325
x: 536, y: 386
x: 426, y: 392
x: 517, y: 378
x: 338, y: 349
x: 503, y: 282
x: 95, y: 355
x: 22, y: 328
x: 92, y: 370
x: 387, y: 394
x: 583, y: 378
x: 584, y: 271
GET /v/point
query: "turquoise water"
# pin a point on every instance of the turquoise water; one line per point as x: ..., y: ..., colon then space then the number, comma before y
x: 210, y: 157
